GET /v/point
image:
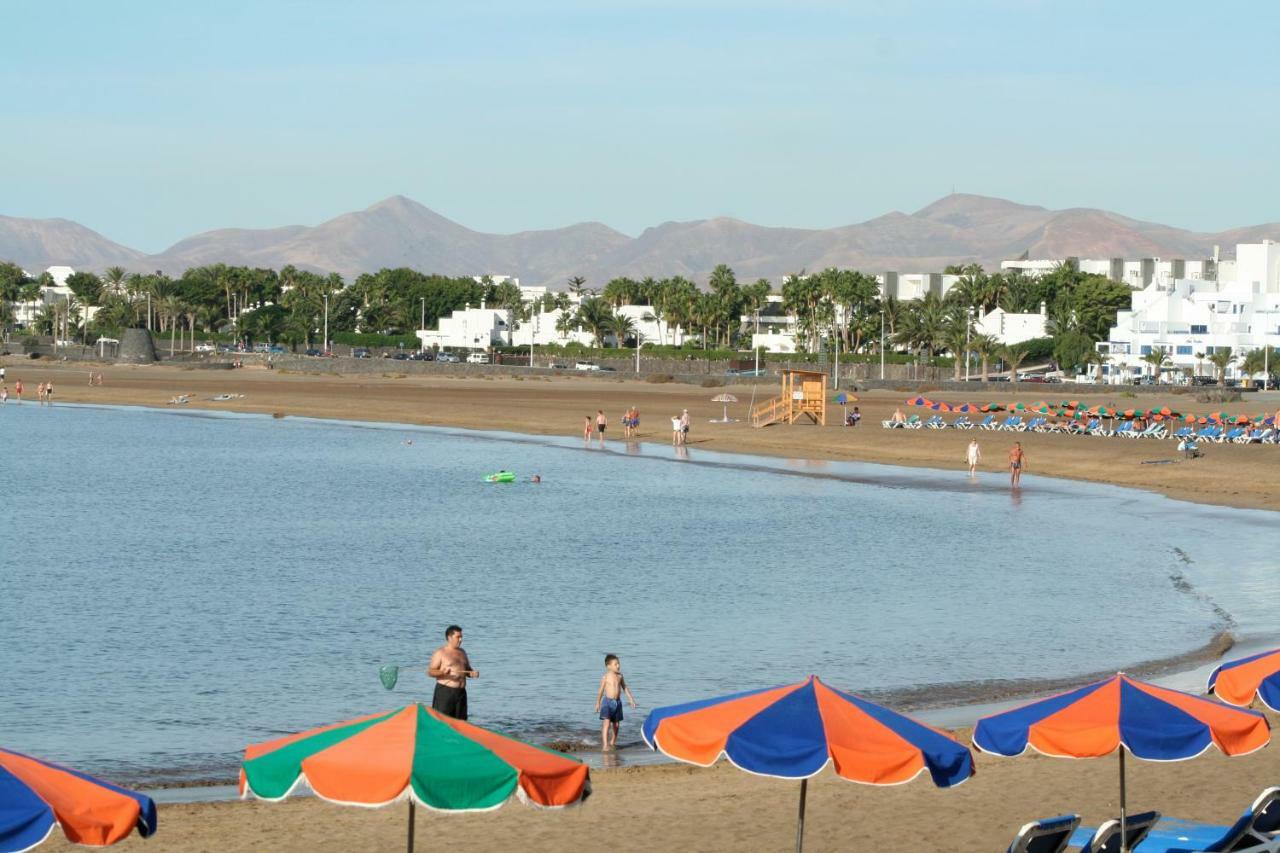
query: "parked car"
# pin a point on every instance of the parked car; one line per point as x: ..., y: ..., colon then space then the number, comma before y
x: 275, y: 349
x: 361, y: 352
x: 586, y: 365
x: 478, y: 358
x: 313, y: 352
x: 1040, y: 379
x: 559, y: 367
x: 422, y: 355
x: 1204, y: 380
x: 744, y: 371
x: 447, y: 357
x: 204, y: 346
x: 607, y: 369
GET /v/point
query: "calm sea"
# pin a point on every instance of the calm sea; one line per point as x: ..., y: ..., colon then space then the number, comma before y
x: 175, y: 585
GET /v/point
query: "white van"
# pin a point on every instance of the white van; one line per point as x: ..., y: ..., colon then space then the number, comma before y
x: 478, y: 358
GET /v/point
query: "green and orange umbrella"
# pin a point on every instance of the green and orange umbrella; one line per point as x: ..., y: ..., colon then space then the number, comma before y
x: 416, y: 755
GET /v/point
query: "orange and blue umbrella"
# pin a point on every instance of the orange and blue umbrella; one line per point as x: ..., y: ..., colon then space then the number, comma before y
x: 1237, y: 681
x: 36, y: 796
x: 1120, y: 714
x: 794, y: 731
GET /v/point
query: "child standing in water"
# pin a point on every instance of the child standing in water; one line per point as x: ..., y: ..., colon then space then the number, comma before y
x: 609, y: 702
x: 586, y: 429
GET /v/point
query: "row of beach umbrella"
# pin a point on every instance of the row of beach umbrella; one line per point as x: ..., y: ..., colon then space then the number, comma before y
x: 415, y: 755
x: 1074, y: 409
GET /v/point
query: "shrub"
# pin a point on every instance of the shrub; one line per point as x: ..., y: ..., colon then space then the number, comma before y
x: 659, y: 378
x: 711, y: 382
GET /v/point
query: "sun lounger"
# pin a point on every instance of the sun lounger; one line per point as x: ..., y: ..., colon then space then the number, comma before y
x: 914, y: 422
x: 1045, y: 836
x: 989, y: 422
x: 1125, y: 429
x: 935, y: 422
x: 1256, y: 830
x: 1152, y: 431
x: 1106, y: 838
x: 961, y: 422
x: 1185, y: 432
x: 1032, y: 425
x: 1013, y: 423
x: 1264, y: 437
x: 1230, y: 435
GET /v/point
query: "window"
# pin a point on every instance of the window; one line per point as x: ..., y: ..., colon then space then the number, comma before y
x: 1145, y: 349
x: 1199, y: 330
x: 1184, y: 350
x: 1208, y: 350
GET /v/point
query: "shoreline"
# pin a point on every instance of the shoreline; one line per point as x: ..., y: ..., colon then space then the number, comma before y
x: 1235, y: 476
x: 945, y: 704
x: 670, y: 805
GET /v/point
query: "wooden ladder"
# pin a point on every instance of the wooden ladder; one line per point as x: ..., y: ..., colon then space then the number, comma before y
x: 770, y: 411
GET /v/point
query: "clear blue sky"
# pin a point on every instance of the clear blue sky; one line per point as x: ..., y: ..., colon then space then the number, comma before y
x: 151, y: 121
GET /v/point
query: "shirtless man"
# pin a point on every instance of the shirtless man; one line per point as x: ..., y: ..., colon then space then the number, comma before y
x: 1017, y: 461
x: 451, y: 668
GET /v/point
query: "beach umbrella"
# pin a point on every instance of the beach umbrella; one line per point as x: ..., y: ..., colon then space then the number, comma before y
x: 843, y: 399
x: 992, y: 407
x: 1237, y: 681
x: 965, y: 408
x: 726, y: 399
x: 917, y: 401
x: 1120, y: 714
x: 794, y: 731
x: 36, y: 796
x: 413, y: 754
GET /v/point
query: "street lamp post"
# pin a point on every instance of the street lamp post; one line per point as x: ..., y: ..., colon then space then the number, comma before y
x: 755, y: 344
x: 882, y: 343
x: 967, y: 328
x: 326, y: 324
x: 423, y: 324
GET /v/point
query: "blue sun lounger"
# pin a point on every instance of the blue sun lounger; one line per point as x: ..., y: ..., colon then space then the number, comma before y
x: 1257, y: 829
x: 1045, y: 836
x: 1106, y: 838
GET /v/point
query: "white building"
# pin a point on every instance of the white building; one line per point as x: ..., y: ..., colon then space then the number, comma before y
x: 25, y: 313
x: 1193, y: 317
x: 1010, y: 329
x: 1137, y: 273
x: 470, y: 328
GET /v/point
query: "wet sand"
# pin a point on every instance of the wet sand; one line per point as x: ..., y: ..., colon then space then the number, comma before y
x: 675, y: 807
x: 1229, y: 475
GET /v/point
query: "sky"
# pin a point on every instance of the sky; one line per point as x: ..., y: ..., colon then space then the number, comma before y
x: 152, y: 121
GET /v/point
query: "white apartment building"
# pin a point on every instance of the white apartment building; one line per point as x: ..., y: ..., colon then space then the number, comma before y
x: 1137, y: 273
x: 25, y: 313
x: 1010, y: 329
x: 1191, y: 317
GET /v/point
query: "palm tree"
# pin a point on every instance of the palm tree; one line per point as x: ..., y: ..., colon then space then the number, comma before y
x: 595, y: 314
x: 1158, y: 358
x: 1013, y: 356
x: 1097, y: 358
x: 957, y: 342
x: 1199, y: 364
x: 114, y: 279
x: 985, y: 346
x: 577, y: 285
x: 622, y: 327
x: 566, y: 323
x: 1259, y: 360
x: 1221, y: 358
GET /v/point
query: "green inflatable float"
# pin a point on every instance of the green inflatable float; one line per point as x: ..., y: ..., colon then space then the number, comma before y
x: 501, y: 477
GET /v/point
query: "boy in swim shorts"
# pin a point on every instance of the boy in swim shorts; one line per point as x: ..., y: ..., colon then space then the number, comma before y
x: 609, y: 702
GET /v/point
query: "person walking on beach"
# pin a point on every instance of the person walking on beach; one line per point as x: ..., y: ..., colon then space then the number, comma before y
x: 684, y: 427
x: 451, y: 668
x: 4, y: 394
x: 676, y: 433
x: 586, y: 428
x: 974, y: 455
x: 48, y: 393
x: 1017, y: 461
x: 601, y: 423
x: 17, y: 389
x: 609, y: 702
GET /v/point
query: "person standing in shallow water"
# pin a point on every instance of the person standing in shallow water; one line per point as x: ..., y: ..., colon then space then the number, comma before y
x: 973, y: 456
x: 451, y: 668
x: 1017, y: 461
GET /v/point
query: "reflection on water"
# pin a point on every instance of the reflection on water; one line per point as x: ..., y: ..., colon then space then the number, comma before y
x: 190, y: 584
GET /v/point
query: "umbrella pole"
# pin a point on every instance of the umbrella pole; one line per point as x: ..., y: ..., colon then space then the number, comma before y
x: 804, y: 787
x: 411, y: 826
x: 1124, y: 847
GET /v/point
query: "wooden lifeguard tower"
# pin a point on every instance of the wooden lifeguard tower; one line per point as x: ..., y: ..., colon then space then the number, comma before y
x: 804, y: 392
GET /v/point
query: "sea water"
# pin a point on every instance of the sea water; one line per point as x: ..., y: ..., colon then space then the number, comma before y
x: 175, y: 585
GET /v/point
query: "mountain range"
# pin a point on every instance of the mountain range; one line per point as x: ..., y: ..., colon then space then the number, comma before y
x: 958, y: 228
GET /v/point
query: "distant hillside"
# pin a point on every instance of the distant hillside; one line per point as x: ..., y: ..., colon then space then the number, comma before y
x: 400, y: 232
x: 34, y: 244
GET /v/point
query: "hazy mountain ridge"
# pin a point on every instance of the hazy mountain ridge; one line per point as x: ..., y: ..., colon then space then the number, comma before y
x: 398, y: 231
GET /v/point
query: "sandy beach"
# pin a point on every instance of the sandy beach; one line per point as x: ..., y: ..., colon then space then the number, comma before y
x: 1229, y: 475
x: 675, y: 807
